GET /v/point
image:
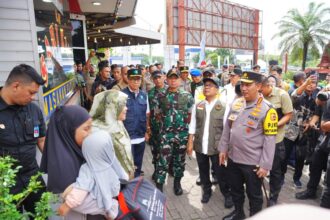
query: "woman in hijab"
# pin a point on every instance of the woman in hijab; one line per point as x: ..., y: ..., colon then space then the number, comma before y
x: 98, y: 181
x: 62, y: 156
x: 108, y: 112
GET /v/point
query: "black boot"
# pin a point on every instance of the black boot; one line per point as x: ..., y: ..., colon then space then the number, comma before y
x: 229, y: 202
x: 235, y: 215
x: 207, y: 193
x: 177, y: 186
x: 307, y: 194
x: 159, y: 186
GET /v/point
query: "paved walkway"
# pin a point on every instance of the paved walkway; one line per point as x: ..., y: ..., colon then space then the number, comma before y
x: 188, y: 205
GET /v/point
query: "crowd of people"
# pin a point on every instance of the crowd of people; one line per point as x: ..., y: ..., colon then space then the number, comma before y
x: 244, y: 126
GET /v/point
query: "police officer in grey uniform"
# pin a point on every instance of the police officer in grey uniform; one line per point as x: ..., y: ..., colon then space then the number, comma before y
x: 22, y: 128
x: 247, y: 145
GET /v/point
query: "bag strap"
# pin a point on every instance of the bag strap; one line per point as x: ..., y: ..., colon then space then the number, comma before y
x: 122, y: 203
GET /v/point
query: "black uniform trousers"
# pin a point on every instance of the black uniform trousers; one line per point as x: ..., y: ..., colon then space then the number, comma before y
x: 325, y: 198
x: 238, y: 174
x: 204, y: 173
x: 319, y: 163
x: 276, y: 172
x: 299, y: 158
x: 30, y: 201
x: 138, y: 152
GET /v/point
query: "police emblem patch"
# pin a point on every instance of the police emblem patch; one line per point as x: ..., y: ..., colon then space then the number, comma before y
x: 270, y: 122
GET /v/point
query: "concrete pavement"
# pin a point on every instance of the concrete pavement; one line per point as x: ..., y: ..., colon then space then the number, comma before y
x: 188, y: 205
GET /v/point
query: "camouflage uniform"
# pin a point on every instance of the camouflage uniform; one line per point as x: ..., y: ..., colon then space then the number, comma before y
x: 175, y: 109
x: 155, y: 121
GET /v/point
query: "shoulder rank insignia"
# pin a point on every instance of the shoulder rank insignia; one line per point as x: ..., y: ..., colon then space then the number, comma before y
x: 270, y: 122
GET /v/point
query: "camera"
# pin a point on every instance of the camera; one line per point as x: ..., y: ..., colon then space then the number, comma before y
x: 98, y: 54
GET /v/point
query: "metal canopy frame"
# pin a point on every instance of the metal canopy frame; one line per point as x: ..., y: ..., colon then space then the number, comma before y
x: 227, y: 25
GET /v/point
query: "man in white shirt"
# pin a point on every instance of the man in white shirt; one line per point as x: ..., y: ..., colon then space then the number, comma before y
x: 229, y: 93
x: 205, y: 130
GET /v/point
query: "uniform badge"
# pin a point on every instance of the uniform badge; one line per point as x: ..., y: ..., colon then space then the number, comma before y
x: 270, y: 122
x: 232, y: 117
x: 36, y: 131
x: 255, y: 114
x: 251, y: 123
x: 2, y: 126
x: 218, y: 107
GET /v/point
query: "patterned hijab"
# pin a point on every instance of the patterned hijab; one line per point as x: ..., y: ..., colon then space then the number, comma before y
x: 105, y: 110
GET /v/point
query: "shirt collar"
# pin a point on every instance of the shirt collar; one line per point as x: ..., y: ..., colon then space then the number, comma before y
x: 136, y: 93
x: 3, y: 104
x: 255, y: 102
x: 273, y: 93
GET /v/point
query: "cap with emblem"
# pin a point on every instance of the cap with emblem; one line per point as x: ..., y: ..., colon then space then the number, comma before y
x: 156, y: 74
x: 172, y: 72
x: 250, y: 77
x: 184, y: 69
x: 214, y: 80
x: 195, y: 72
x: 134, y: 72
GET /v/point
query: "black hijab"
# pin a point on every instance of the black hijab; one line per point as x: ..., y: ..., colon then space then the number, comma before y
x: 62, y: 157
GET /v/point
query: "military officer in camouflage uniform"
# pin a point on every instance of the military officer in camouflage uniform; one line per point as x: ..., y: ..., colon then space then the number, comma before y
x: 155, y: 121
x: 175, y: 109
x: 248, y: 141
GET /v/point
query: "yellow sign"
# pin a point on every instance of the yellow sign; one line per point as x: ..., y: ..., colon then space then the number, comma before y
x: 270, y: 122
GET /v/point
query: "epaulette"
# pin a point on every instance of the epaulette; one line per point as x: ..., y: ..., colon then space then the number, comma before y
x: 270, y: 105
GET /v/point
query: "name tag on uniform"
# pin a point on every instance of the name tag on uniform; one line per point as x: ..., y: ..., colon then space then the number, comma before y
x: 36, y: 131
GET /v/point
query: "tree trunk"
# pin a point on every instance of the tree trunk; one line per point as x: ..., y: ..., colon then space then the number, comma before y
x: 305, y: 50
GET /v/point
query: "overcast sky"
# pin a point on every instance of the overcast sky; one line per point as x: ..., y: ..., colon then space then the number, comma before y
x: 151, y: 13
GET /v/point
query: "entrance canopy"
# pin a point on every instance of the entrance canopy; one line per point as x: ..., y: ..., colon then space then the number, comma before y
x: 108, y: 23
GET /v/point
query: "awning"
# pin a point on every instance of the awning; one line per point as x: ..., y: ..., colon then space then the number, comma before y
x: 127, y: 36
x: 109, y: 23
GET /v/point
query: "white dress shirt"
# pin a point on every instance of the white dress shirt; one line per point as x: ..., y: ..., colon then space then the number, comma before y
x: 192, y: 126
x: 229, y: 98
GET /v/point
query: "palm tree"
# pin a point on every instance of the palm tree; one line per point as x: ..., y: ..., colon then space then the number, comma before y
x: 303, y: 32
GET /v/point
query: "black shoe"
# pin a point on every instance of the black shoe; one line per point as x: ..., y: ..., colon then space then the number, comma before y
x: 198, y: 181
x: 177, y: 187
x: 235, y: 215
x: 206, y: 196
x: 307, y: 194
x: 214, y: 180
x: 229, y: 202
x: 159, y: 186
